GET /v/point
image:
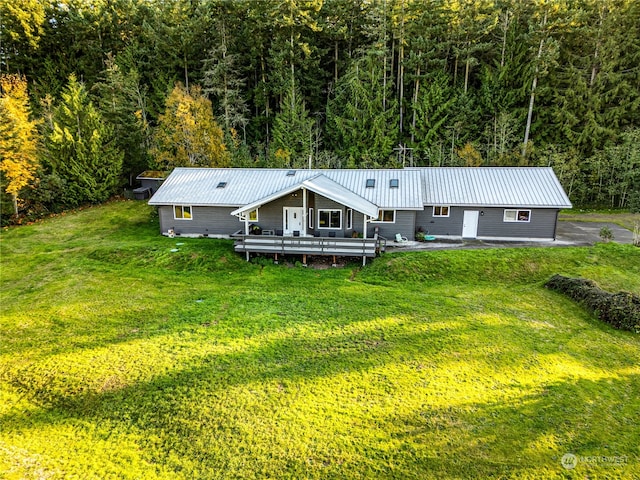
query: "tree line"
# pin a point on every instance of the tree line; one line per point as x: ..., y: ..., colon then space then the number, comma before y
x: 95, y: 92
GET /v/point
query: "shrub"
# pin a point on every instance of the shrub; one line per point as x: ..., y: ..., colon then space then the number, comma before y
x: 621, y: 310
x: 606, y: 234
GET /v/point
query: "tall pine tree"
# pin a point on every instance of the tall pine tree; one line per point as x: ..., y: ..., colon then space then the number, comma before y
x: 81, y: 149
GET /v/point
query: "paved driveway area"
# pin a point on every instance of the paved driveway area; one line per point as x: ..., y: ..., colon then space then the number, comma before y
x: 567, y: 234
x: 588, y: 233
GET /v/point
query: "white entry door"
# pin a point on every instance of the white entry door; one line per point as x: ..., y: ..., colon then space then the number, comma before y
x: 292, y: 220
x: 470, y: 224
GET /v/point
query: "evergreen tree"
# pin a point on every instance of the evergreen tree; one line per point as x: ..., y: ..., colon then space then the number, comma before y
x: 123, y: 104
x: 363, y: 116
x: 292, y: 133
x: 223, y: 82
x: 432, y: 109
x: 597, y: 94
x: 81, y: 149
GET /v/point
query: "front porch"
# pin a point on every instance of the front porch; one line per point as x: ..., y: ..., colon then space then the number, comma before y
x: 284, y: 245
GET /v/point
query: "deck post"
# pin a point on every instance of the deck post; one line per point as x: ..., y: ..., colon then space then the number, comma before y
x: 364, y: 260
x: 275, y: 260
x: 335, y: 264
x: 304, y: 259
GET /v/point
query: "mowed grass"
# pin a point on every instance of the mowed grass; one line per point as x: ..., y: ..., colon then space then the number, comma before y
x: 122, y: 359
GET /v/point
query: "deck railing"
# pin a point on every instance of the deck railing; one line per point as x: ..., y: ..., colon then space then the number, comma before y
x: 350, y: 247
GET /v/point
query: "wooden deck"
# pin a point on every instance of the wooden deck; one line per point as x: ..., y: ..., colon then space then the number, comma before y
x: 349, y: 247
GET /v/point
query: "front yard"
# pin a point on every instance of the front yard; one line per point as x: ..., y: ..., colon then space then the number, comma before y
x: 120, y: 358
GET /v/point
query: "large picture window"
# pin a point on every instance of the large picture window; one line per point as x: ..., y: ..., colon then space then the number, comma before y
x: 513, y: 215
x: 386, y: 216
x: 182, y: 212
x: 441, y: 211
x: 330, y: 219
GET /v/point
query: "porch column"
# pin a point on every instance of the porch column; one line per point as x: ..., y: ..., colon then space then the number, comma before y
x: 246, y: 230
x: 304, y: 212
x: 364, y: 236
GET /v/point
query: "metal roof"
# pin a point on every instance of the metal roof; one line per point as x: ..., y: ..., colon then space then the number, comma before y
x: 493, y: 187
x: 417, y: 187
x: 245, y: 186
x: 324, y: 186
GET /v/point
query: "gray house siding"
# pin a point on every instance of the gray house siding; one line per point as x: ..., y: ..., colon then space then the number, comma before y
x: 490, y: 223
x: 270, y: 215
x: 542, y: 224
x: 205, y: 220
x: 405, y: 225
x: 451, y: 225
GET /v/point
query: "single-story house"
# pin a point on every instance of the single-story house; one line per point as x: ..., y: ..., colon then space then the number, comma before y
x: 293, y: 206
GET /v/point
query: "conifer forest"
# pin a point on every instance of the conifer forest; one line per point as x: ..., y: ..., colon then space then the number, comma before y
x: 93, y: 92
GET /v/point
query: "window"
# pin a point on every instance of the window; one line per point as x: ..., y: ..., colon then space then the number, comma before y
x: 393, y: 183
x: 310, y: 218
x: 222, y: 185
x: 349, y: 219
x: 182, y: 212
x: 386, y: 216
x: 371, y: 182
x: 330, y: 219
x: 291, y: 173
x: 517, y: 215
x: 440, y: 211
x: 253, y: 216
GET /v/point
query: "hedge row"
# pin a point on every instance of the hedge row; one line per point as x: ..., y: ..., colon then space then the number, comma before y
x: 622, y: 309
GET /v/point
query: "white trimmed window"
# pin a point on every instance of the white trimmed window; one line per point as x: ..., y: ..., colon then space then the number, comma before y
x: 330, y: 219
x: 386, y: 216
x: 349, y: 219
x: 441, y: 211
x: 310, y: 218
x: 513, y: 215
x: 182, y: 212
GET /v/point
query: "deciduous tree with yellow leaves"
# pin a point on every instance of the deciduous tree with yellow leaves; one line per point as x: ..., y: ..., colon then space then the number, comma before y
x: 18, y: 136
x: 187, y: 134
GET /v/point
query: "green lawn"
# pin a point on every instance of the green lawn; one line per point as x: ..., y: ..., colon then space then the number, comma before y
x: 122, y: 359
